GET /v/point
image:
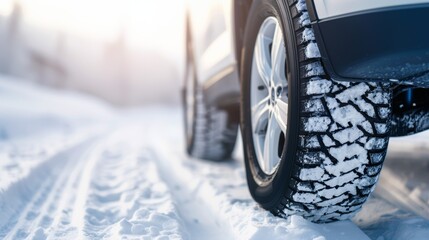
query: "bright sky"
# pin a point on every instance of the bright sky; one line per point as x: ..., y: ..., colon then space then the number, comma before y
x: 152, y: 23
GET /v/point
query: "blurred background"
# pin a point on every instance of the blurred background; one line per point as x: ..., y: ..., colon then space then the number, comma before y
x: 128, y: 52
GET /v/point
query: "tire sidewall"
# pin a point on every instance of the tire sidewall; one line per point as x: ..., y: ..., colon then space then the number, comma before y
x: 268, y: 190
x: 189, y: 76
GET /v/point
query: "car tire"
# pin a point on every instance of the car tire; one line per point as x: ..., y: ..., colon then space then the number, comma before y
x: 210, y: 131
x: 331, y: 152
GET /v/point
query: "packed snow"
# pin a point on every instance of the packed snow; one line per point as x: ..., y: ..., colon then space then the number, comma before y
x: 75, y: 168
x: 312, y: 50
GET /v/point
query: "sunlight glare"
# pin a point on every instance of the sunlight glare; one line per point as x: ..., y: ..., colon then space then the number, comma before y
x: 105, y: 19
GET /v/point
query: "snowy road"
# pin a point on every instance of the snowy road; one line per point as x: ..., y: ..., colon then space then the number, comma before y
x: 73, y: 168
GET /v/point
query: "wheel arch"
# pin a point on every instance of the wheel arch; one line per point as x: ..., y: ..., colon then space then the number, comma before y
x: 241, y: 12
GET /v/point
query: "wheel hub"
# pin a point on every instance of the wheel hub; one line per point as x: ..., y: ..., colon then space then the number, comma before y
x: 275, y: 94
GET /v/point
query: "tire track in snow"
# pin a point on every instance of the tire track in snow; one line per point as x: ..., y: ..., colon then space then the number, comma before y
x: 126, y: 197
x: 201, y: 219
x: 102, y: 188
x: 42, y: 189
x: 67, y: 222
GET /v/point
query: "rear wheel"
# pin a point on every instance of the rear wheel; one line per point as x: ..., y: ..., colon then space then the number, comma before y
x: 210, y: 131
x: 313, y: 146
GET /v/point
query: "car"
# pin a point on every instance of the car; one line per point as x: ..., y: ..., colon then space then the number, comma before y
x: 316, y: 88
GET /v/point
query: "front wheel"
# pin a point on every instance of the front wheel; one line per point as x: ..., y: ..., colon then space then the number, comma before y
x: 313, y: 146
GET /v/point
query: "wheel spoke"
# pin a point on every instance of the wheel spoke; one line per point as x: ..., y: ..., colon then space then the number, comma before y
x: 271, y: 144
x: 281, y: 113
x: 260, y: 113
x: 278, y: 58
x: 263, y: 59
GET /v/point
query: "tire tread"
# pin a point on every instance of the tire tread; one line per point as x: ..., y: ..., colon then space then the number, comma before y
x: 327, y: 185
x: 214, y: 136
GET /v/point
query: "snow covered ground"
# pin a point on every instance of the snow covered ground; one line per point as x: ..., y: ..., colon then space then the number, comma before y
x: 74, y: 168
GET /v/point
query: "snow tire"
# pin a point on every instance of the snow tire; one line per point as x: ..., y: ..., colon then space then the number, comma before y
x: 213, y: 130
x: 337, y: 134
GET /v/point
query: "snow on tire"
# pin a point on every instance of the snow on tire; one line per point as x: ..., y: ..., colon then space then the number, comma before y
x: 343, y: 141
x: 214, y: 135
x: 337, y: 136
x: 211, y: 132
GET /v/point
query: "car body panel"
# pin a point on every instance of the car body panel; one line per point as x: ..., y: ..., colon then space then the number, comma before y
x: 332, y: 8
x: 211, y: 23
